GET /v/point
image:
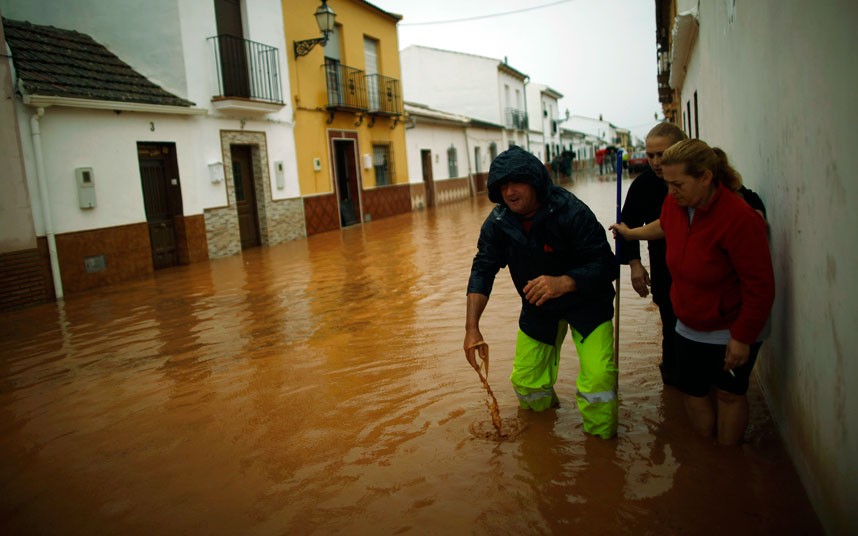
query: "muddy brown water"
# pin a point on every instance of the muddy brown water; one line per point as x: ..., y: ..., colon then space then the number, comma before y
x: 319, y: 387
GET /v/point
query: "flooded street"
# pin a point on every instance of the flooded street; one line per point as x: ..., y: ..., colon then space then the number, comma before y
x: 319, y: 387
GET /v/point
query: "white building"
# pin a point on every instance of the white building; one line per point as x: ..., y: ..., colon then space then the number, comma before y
x: 604, y: 130
x: 773, y: 84
x: 448, y: 154
x: 124, y: 184
x: 485, y: 89
x: 437, y: 152
x: 543, y: 121
x: 583, y: 145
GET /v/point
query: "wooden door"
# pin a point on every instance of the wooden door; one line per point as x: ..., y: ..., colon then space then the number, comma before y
x: 162, y: 199
x: 428, y: 182
x: 234, y: 70
x: 345, y: 168
x: 245, y: 195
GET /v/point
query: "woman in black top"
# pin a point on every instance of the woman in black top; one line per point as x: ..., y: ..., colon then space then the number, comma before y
x: 643, y: 205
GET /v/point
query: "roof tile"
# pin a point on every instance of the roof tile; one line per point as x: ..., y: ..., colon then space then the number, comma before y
x: 54, y: 62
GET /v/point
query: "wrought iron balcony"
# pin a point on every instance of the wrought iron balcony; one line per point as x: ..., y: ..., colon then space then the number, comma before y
x: 384, y: 95
x: 247, y: 70
x: 515, y: 118
x: 346, y: 87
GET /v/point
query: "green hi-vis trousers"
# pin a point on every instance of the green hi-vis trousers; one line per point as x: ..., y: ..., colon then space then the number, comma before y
x: 534, y: 373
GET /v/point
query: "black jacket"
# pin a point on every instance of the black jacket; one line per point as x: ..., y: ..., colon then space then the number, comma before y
x: 564, y: 238
x: 643, y: 205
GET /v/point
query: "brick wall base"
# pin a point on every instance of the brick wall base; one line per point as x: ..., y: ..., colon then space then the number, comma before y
x: 25, y: 278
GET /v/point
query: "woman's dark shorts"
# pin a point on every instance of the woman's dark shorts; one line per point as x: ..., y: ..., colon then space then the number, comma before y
x: 701, y: 366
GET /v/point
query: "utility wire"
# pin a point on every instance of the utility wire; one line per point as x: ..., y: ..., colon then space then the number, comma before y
x: 479, y: 17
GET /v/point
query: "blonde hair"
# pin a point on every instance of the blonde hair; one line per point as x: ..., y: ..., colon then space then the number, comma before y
x: 697, y: 157
x: 667, y: 130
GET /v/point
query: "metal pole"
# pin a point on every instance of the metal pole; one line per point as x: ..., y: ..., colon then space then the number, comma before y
x: 617, y: 242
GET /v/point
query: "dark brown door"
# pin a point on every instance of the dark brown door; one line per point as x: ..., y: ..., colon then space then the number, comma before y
x: 245, y: 195
x: 231, y: 47
x: 428, y: 182
x: 162, y: 198
x: 345, y: 166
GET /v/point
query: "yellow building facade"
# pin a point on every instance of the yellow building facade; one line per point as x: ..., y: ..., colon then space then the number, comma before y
x: 347, y: 96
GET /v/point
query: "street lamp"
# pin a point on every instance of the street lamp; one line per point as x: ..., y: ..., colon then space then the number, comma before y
x: 325, y: 17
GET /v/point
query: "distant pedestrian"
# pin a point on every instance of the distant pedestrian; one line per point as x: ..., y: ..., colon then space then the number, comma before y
x: 566, y: 163
x: 555, y: 168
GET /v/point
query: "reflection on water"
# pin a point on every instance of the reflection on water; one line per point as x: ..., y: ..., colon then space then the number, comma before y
x: 319, y: 387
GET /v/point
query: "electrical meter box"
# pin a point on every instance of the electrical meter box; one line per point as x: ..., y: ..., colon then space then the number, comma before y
x: 280, y: 174
x: 85, y: 187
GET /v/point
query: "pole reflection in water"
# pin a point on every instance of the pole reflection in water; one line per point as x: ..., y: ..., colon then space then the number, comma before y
x: 320, y: 387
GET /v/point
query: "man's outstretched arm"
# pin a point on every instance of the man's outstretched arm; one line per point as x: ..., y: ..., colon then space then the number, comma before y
x: 476, y: 305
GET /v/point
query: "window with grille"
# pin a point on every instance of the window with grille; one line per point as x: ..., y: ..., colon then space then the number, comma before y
x: 452, y: 162
x: 382, y: 161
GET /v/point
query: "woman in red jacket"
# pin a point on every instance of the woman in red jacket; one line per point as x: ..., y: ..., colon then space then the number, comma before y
x: 723, y: 284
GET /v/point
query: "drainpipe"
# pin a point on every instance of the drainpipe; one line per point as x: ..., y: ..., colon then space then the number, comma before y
x: 471, y: 182
x: 36, y: 132
x: 527, y: 123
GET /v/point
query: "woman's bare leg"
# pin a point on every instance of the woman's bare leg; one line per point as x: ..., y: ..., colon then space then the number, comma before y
x: 732, y: 417
x: 701, y: 412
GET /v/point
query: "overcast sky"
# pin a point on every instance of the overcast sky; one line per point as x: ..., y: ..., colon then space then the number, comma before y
x: 600, y: 54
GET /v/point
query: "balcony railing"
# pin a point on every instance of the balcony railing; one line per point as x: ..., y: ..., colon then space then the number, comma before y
x: 384, y: 95
x: 514, y: 118
x: 246, y: 69
x: 346, y: 87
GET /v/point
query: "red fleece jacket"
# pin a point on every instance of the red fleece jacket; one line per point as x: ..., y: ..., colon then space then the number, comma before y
x: 720, y: 265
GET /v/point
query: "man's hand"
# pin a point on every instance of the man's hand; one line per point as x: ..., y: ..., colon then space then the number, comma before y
x: 476, y: 305
x: 545, y: 287
x: 472, y: 337
x: 736, y: 355
x: 640, y: 278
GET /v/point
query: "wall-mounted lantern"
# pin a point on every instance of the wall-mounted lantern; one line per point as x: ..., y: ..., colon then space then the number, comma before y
x: 325, y: 17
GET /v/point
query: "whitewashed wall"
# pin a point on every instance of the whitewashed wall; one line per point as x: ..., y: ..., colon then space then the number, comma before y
x: 518, y: 101
x: 438, y: 139
x: 16, y: 228
x: 534, y: 107
x: 483, y: 138
x: 537, y: 145
x: 593, y: 126
x: 536, y: 121
x: 776, y: 89
x: 451, y: 81
x: 549, y: 104
x: 107, y: 142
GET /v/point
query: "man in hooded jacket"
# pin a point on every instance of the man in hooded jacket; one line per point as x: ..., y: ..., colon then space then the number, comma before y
x: 563, y: 268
